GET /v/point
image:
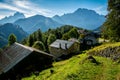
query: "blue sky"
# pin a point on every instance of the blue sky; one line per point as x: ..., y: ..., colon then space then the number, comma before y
x: 49, y: 7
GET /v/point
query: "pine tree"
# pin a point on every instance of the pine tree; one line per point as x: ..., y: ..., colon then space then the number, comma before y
x: 1, y: 50
x: 111, y: 27
x: 39, y: 35
x: 30, y: 40
x: 34, y: 36
x: 11, y: 39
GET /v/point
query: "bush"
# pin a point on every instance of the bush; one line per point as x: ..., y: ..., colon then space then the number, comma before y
x: 51, y: 39
x: 11, y: 39
x: 39, y: 45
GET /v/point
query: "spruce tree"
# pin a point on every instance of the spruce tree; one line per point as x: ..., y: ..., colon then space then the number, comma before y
x: 39, y: 35
x: 111, y: 27
x: 30, y: 40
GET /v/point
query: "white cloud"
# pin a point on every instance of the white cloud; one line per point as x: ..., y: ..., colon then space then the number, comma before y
x: 31, y: 8
x: 5, y: 13
x: 9, y: 7
x: 24, y: 6
x: 101, y: 10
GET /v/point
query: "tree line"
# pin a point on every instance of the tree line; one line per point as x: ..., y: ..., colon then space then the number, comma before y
x: 42, y: 40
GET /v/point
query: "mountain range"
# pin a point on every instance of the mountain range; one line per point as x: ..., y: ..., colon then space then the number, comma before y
x: 9, y: 28
x: 84, y: 18
x: 12, y: 19
x: 33, y: 23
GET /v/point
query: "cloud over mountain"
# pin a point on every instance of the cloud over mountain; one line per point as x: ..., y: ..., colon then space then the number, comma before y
x: 23, y: 6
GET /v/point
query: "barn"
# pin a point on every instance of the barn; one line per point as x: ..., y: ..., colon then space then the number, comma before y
x: 19, y: 60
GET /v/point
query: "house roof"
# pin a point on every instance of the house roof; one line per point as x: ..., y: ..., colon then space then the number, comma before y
x: 63, y: 44
x: 14, y: 54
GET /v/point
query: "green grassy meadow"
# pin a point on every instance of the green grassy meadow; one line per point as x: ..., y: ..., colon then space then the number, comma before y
x: 80, y: 68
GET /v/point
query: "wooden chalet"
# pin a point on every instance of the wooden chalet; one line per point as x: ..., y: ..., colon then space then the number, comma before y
x: 19, y: 60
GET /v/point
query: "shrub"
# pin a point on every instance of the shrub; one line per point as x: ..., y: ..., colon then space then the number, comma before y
x: 39, y: 45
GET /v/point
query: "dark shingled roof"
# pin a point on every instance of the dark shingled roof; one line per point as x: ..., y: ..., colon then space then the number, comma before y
x: 14, y: 54
x: 62, y: 43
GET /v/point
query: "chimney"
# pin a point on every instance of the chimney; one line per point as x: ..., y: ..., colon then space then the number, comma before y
x: 60, y: 45
x: 66, y: 46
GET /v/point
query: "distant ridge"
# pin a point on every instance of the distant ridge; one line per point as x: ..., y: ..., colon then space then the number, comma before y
x: 7, y: 29
x: 33, y: 23
x: 12, y: 19
x: 84, y: 18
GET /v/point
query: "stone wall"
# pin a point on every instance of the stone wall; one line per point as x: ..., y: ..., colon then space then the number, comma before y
x: 111, y: 52
x: 59, y: 52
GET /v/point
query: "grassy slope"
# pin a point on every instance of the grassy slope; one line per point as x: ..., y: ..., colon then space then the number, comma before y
x: 78, y: 68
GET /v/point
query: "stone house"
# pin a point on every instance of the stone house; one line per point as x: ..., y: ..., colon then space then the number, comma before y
x: 63, y: 47
x: 20, y: 60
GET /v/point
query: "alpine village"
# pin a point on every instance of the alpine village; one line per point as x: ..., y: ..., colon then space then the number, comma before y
x: 81, y: 45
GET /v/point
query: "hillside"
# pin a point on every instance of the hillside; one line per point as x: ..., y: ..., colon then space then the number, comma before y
x: 82, y: 67
x: 84, y: 18
x: 12, y: 18
x: 36, y: 22
x: 7, y: 29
